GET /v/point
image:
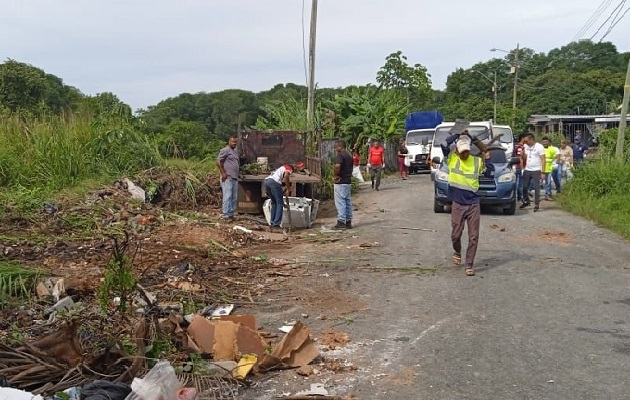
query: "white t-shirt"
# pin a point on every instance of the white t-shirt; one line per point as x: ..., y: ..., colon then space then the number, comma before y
x: 278, y: 174
x: 533, y: 154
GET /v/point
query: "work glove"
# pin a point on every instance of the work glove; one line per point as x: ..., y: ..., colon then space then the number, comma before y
x: 383, y: 166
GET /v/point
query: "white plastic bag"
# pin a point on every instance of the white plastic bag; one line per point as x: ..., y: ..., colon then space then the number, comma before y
x: 407, y: 161
x: 160, y: 383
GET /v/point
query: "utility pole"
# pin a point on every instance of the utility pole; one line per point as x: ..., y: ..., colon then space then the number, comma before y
x: 494, y: 90
x: 624, y: 114
x: 310, y: 106
x: 515, y: 85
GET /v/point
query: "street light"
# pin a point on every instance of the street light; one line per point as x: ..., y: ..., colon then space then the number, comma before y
x: 494, y: 90
x: 515, y: 68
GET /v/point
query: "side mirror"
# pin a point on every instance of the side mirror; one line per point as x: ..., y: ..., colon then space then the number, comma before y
x: 425, y: 141
x: 436, y: 160
x: 515, y: 160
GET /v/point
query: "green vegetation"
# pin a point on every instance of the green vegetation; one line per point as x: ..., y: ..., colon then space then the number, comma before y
x: 16, y: 280
x: 599, y: 190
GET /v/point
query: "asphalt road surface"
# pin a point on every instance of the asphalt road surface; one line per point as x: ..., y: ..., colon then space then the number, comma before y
x: 546, y: 317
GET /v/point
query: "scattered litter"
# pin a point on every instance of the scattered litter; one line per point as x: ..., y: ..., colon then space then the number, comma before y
x: 418, y: 229
x: 135, y: 191
x: 64, y: 304
x: 50, y: 208
x: 304, y: 315
x: 16, y: 394
x: 286, y: 328
x: 294, y: 350
x: 244, y: 366
x: 225, y: 309
x: 160, y: 383
x: 242, y: 229
x: 551, y: 381
x: 317, y: 389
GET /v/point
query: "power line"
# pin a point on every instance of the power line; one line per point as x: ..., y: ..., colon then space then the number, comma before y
x: 587, y: 25
x: 621, y: 3
x: 614, y: 24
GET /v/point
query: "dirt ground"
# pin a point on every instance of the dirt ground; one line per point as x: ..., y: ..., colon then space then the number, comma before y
x: 545, y: 317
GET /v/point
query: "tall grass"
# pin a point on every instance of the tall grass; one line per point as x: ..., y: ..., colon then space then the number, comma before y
x: 600, y: 191
x: 57, y: 151
x: 43, y: 154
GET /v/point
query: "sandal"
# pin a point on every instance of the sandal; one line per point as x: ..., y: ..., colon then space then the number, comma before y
x: 470, y: 271
x: 457, y: 259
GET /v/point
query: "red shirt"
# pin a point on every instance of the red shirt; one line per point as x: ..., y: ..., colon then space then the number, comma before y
x: 376, y: 155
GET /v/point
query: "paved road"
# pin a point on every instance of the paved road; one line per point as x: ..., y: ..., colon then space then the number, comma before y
x: 546, y: 317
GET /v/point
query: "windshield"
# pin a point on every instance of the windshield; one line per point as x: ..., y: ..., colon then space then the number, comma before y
x: 506, y: 134
x: 498, y: 156
x: 417, y: 137
x: 481, y: 132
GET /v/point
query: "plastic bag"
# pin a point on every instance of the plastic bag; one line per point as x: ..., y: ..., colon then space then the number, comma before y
x: 407, y: 161
x: 160, y: 383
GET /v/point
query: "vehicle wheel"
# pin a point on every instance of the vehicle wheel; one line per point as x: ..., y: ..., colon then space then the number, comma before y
x: 511, y: 209
x: 437, y: 208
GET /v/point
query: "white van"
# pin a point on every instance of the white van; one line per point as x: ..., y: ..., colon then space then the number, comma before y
x: 418, y: 143
x: 506, y: 138
x: 482, y: 130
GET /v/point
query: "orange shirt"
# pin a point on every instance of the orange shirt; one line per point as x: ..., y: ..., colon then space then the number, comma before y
x: 376, y: 155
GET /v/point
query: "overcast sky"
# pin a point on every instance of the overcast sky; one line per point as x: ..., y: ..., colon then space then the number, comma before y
x: 147, y: 50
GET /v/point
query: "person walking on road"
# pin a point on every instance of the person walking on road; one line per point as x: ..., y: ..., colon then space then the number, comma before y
x: 463, y: 179
x: 402, y: 155
x: 343, y: 186
x: 356, y: 166
x: 535, y: 163
x: 228, y: 163
x: 376, y: 163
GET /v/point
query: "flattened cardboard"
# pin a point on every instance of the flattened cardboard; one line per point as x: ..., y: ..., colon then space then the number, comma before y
x: 296, y: 349
x: 245, y: 320
x: 226, y: 340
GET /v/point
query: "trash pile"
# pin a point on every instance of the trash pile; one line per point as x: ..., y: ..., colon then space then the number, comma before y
x: 150, y: 316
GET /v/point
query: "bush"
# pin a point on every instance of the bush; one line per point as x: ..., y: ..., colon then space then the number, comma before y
x: 599, y: 191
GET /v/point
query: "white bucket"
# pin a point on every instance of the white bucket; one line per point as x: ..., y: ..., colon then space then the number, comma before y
x: 264, y: 161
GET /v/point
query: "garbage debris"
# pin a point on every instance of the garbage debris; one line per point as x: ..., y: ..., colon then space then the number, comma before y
x: 226, y: 340
x: 317, y: 389
x: 136, y: 192
x: 17, y: 394
x: 64, y: 304
x: 160, y: 383
x: 245, y: 364
x: 105, y: 390
x: 294, y: 350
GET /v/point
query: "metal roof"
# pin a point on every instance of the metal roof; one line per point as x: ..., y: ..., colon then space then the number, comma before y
x: 548, y: 117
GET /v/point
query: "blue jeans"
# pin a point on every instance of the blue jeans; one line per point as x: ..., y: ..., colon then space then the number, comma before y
x: 274, y: 192
x: 519, y: 184
x: 343, y: 202
x: 556, y: 175
x: 553, y: 175
x: 229, y: 187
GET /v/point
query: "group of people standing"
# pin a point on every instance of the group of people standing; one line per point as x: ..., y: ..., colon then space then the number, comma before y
x: 542, y: 164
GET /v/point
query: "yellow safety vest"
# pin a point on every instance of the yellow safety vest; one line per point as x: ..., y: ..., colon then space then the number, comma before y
x: 464, y: 174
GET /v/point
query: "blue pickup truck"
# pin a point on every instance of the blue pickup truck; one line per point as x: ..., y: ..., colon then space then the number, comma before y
x: 497, y: 190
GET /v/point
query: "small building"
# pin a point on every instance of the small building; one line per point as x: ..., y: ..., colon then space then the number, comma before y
x: 588, y: 126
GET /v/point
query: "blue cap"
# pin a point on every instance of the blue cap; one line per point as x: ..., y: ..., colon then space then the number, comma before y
x: 577, y: 137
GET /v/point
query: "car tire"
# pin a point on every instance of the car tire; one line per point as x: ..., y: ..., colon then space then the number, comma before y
x: 437, y: 207
x: 511, y: 209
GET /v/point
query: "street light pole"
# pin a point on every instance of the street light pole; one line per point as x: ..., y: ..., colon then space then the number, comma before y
x: 515, y: 78
x: 310, y: 104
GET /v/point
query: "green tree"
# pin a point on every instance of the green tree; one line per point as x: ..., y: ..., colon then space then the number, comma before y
x: 414, y: 81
